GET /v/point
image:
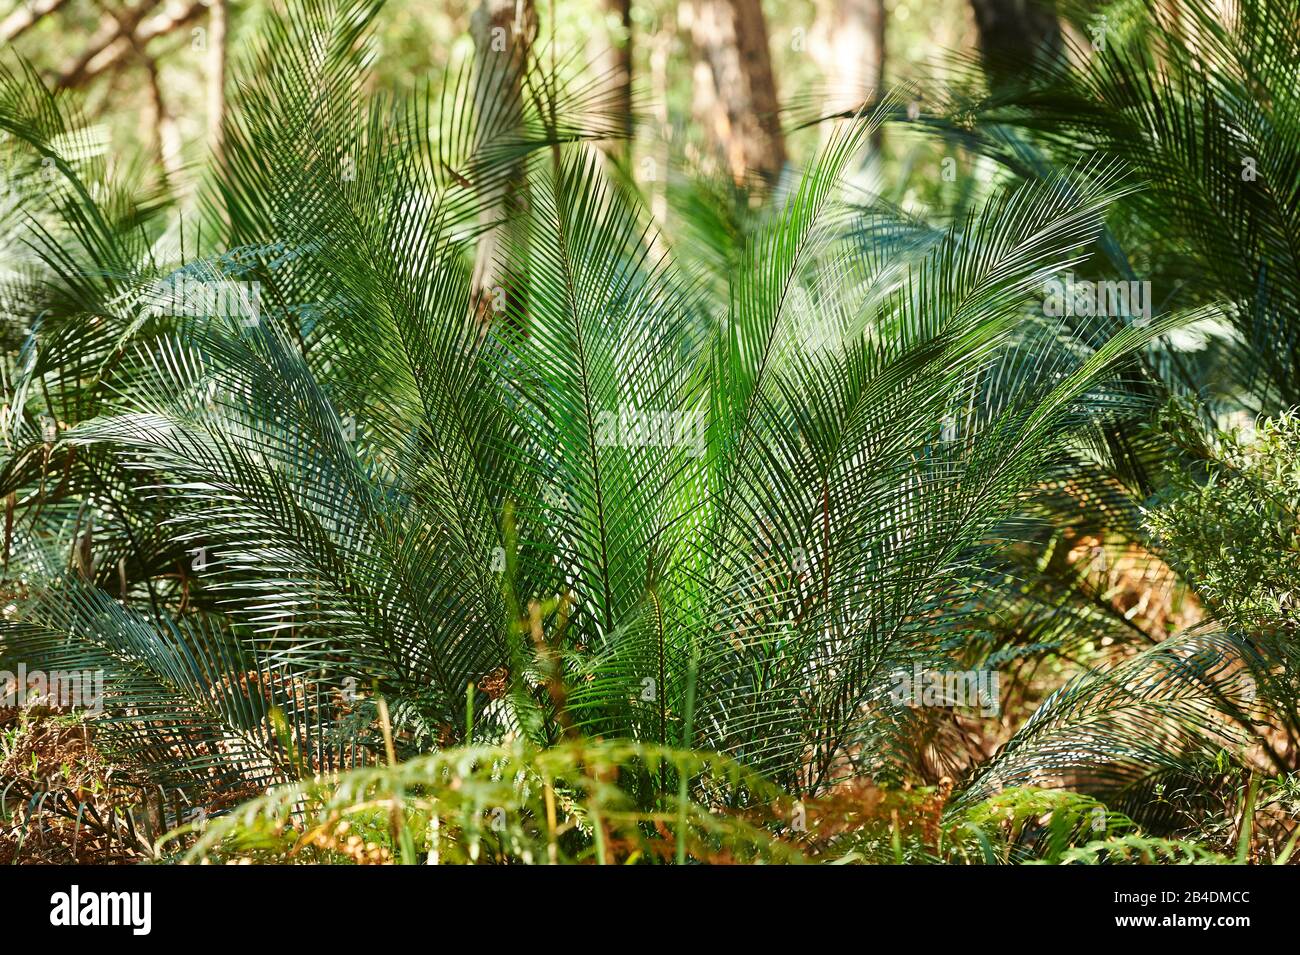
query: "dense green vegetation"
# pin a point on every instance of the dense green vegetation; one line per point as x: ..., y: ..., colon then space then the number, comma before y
x: 422, y: 493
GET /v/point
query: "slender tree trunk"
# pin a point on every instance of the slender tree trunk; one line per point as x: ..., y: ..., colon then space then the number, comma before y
x: 857, y: 61
x: 169, y: 135
x: 706, y: 112
x: 166, y: 132
x: 217, y: 22
x: 731, y: 36
x: 615, y: 64
x: 661, y: 51
x: 503, y: 31
x: 1012, y: 34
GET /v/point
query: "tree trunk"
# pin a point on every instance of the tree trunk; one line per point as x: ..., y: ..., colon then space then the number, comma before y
x: 732, y: 38
x: 857, y: 43
x: 503, y: 32
x: 1013, y: 33
x: 661, y: 58
x: 167, y: 132
x: 615, y: 65
x: 217, y: 22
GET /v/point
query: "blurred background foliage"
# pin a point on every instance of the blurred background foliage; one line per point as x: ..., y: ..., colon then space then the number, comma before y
x: 135, y: 61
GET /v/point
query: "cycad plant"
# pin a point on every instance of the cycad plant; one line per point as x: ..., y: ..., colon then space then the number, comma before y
x: 315, y: 489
